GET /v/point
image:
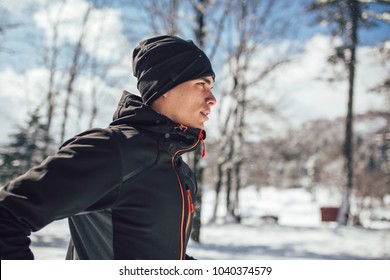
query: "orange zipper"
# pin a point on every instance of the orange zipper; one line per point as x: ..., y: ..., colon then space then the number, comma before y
x: 182, y: 232
x: 190, y: 209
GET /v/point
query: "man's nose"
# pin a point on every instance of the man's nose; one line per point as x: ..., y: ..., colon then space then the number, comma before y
x: 211, y: 100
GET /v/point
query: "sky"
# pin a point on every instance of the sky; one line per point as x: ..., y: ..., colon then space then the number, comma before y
x: 300, y: 87
x: 303, y: 84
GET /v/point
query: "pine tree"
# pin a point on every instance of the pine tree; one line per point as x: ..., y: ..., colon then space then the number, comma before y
x: 26, y: 149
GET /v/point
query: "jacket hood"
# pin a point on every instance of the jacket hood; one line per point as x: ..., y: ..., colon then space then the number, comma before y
x: 132, y: 111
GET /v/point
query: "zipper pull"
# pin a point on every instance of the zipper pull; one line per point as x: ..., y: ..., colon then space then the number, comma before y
x: 190, y: 204
x: 203, y: 144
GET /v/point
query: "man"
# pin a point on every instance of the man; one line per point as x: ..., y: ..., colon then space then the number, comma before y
x: 126, y: 190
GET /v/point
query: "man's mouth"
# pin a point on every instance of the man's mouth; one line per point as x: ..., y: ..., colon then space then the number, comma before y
x: 206, y: 114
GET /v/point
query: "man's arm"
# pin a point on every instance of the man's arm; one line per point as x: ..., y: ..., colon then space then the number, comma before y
x: 83, y: 171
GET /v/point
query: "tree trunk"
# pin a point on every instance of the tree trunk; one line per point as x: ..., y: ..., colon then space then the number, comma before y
x: 229, y: 209
x: 200, y: 35
x: 239, y: 153
x: 73, y: 72
x: 236, y: 209
x: 50, y: 59
x: 229, y: 171
x: 52, y: 93
x: 94, y: 108
x: 353, y: 6
x: 218, y: 187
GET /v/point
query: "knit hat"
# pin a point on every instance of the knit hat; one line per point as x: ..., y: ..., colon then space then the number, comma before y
x: 163, y: 62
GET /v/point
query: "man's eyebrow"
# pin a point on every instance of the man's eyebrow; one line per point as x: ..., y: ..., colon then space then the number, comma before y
x: 208, y: 81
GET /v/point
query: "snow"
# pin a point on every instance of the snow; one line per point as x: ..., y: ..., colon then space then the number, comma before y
x: 246, y: 242
x: 297, y: 234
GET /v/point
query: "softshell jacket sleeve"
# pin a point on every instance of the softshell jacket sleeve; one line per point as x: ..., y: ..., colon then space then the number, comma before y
x: 82, y: 172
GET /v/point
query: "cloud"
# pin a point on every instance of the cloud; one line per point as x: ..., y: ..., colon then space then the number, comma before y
x: 18, y: 7
x: 21, y: 94
x: 303, y: 83
x: 14, y: 101
x: 103, y: 31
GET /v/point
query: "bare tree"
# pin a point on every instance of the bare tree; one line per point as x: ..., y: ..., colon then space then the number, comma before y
x: 74, y: 70
x: 7, y: 23
x: 161, y: 16
x: 51, y: 57
x: 200, y: 7
x: 347, y: 17
x: 248, y: 20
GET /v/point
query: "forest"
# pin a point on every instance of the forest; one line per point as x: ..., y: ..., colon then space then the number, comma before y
x: 64, y: 64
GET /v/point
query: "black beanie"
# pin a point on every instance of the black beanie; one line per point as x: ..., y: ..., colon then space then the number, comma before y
x: 163, y: 62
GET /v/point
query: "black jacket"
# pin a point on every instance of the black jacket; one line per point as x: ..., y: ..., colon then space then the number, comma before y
x: 126, y: 190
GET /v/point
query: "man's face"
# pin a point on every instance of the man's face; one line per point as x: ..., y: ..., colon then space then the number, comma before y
x: 188, y: 103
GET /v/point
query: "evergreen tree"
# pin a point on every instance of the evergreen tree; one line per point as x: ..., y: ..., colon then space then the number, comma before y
x: 25, y: 149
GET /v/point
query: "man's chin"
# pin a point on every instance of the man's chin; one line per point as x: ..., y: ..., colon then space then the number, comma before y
x: 200, y: 126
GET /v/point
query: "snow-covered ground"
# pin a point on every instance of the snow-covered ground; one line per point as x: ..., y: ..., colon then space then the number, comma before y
x: 298, y: 233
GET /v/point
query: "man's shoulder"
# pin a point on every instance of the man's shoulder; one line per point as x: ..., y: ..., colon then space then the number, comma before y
x: 92, y: 135
x: 108, y: 133
x: 125, y: 131
x: 139, y: 148
x: 130, y: 136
